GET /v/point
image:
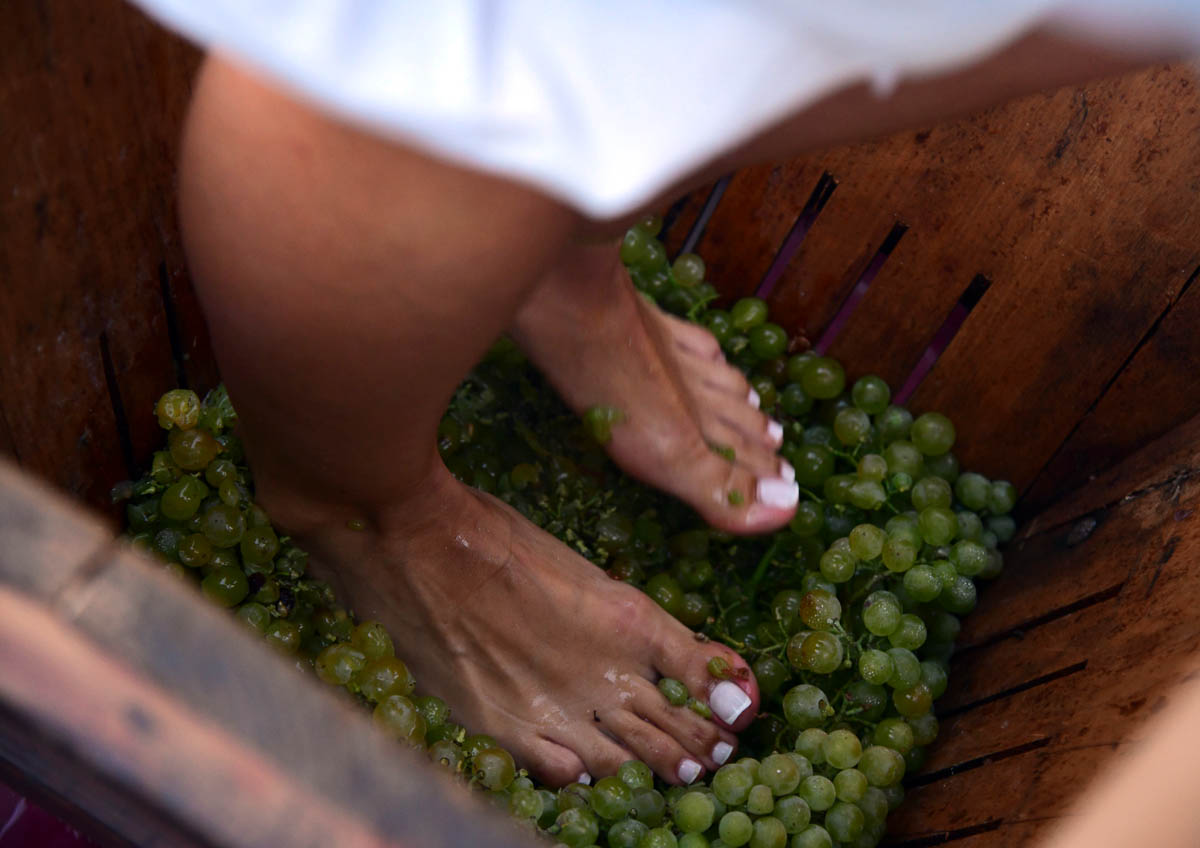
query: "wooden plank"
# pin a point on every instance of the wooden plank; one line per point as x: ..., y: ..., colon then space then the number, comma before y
x: 1097, y: 233
x: 1152, y: 394
x: 228, y: 739
x: 44, y: 542
x: 93, y: 94
x: 677, y: 227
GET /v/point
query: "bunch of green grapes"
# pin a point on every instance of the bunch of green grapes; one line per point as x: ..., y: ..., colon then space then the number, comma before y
x: 848, y: 616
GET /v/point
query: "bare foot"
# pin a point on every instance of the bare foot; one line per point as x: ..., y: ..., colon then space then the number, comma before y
x: 526, y: 640
x: 601, y: 344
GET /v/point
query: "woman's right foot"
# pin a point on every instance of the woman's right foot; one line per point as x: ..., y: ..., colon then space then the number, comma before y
x: 526, y: 640
x: 684, y: 409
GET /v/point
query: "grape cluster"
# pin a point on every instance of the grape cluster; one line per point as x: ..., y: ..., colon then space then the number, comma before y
x: 848, y: 616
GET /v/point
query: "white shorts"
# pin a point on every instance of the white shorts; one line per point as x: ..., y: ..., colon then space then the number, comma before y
x: 606, y: 103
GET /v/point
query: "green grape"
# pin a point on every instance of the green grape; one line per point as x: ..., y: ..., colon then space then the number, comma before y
x: 904, y: 528
x: 836, y: 488
x: 874, y: 804
x: 223, y: 525
x: 796, y: 364
x: 225, y: 586
x: 813, y: 463
x: 433, y: 709
x: 933, y: 434
x: 795, y: 401
x: 906, y: 669
x: 283, y: 635
x: 448, y: 754
x: 179, y: 408
x: 972, y: 490
x: 867, y: 541
x: 850, y: 784
x: 785, y: 607
x: 866, y: 700
x: 760, y: 801
x: 881, y: 613
x: 779, y: 773
x: 732, y: 784
x: 769, y: 832
x: 820, y: 653
x: 195, y: 551
x: 842, y: 749
x: 913, y: 702
x: 793, y: 812
x: 810, y: 744
x: 771, y: 675
x: 909, y: 634
x: 748, y: 312
x: 373, y: 640
x: 931, y: 491
x: 688, y: 269
x: 924, y: 729
x: 882, y: 766
x: 852, y: 426
x: 875, y: 666
x: 1002, y: 497
x: 635, y: 774
x: 694, y: 812
x: 893, y: 424
x: 611, y: 798
x: 525, y: 804
x: 1002, y: 527
x: 970, y: 525
x: 735, y: 828
x: 674, y: 691
x: 338, y: 664
x: 969, y: 558
x: 191, y: 450
x: 259, y: 546
x: 933, y: 675
x: 894, y: 733
x: 494, y: 768
x: 626, y: 834
x: 922, y: 583
x: 823, y: 378
x: 577, y: 827
x: 399, y: 716
x: 937, y: 525
x: 255, y: 615
x: 694, y: 610
x: 871, y: 394
x: 806, y: 706
x: 898, y: 555
x: 844, y: 822
x: 959, y: 597
x: 694, y: 574
x: 720, y: 324
x: 182, y: 498
x: 818, y: 792
x: 814, y: 836
x: 666, y: 592
x: 872, y: 466
x: 767, y: 340
x: 945, y: 466
x: 904, y: 457
x: 819, y: 609
x: 837, y: 566
x: 766, y: 391
x: 649, y: 806
x: 633, y: 246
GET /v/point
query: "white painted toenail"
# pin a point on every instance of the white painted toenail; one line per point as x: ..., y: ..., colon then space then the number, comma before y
x: 728, y: 701
x: 754, y: 399
x: 721, y: 752
x: 688, y: 771
x: 775, y: 431
x: 778, y: 492
x: 786, y: 471
x: 584, y: 778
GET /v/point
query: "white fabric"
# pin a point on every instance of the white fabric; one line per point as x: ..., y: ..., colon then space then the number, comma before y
x: 605, y: 103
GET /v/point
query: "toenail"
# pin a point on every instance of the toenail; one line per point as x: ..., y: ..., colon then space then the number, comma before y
x: 721, y: 752
x: 728, y: 701
x: 775, y: 431
x: 778, y: 492
x: 688, y: 771
x: 786, y: 471
x: 584, y: 778
x: 754, y: 399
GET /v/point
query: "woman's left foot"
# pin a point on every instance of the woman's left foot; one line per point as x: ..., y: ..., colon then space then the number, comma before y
x: 684, y: 411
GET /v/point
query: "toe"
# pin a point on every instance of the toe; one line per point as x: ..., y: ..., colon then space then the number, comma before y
x: 733, y: 699
x: 744, y: 502
x: 550, y: 762
x: 694, y: 339
x: 600, y: 754
x: 653, y: 746
x: 704, y: 741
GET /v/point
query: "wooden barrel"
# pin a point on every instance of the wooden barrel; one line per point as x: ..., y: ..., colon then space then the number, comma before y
x: 1028, y: 271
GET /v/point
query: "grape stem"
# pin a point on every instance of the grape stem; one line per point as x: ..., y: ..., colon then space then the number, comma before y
x: 761, y: 569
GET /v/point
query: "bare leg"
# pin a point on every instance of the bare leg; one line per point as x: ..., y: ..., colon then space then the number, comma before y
x: 350, y: 284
